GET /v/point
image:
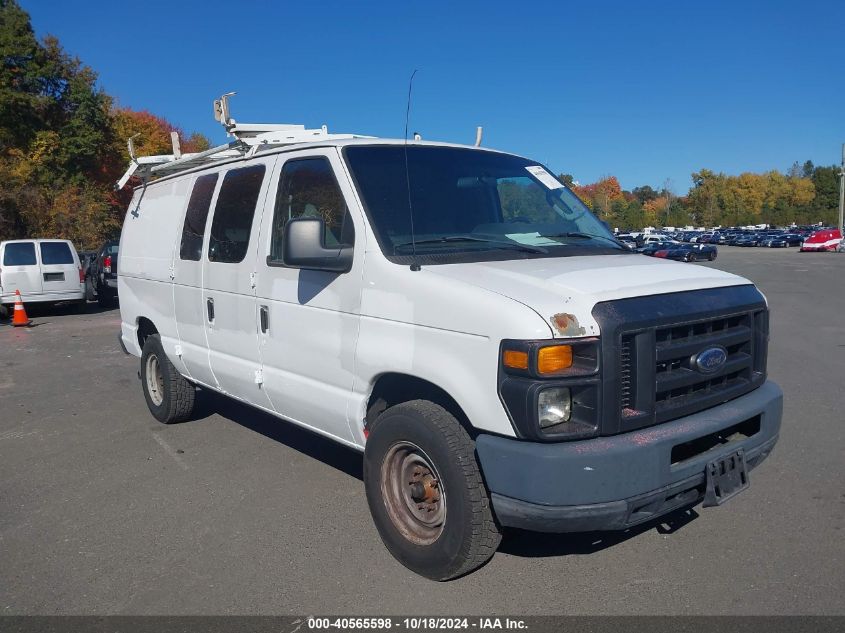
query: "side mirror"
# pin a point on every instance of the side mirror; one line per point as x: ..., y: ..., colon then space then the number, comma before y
x: 305, y: 247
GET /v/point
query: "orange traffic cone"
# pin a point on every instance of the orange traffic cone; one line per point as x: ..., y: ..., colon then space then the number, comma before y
x: 20, y: 317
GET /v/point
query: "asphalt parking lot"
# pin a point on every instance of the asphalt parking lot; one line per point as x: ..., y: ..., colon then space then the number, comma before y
x: 105, y: 511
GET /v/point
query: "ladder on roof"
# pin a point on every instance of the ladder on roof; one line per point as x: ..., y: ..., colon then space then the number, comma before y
x: 248, y: 139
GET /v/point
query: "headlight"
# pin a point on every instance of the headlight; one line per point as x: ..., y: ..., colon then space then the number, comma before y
x: 554, y: 406
x: 551, y: 388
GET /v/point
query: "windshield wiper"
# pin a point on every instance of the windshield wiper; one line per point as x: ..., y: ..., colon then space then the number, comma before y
x: 465, y: 238
x: 586, y: 236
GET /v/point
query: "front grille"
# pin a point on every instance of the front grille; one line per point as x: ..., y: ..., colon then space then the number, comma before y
x: 626, y: 374
x: 658, y: 376
x: 679, y: 384
x: 650, y: 345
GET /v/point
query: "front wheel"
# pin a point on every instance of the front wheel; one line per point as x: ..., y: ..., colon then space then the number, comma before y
x: 425, y: 491
x: 169, y: 396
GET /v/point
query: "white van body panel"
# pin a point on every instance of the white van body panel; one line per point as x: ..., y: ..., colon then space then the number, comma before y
x: 41, y: 282
x: 147, y: 242
x: 447, y: 332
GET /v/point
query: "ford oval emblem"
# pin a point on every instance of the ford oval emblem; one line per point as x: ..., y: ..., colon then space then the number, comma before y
x: 710, y: 360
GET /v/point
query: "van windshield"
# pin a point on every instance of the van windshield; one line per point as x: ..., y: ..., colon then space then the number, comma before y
x: 470, y: 205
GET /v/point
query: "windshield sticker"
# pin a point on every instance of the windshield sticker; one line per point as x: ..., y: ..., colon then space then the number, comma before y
x: 532, y: 239
x: 543, y: 176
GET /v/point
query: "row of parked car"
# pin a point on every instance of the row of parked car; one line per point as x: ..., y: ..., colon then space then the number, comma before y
x: 52, y: 271
x: 806, y: 238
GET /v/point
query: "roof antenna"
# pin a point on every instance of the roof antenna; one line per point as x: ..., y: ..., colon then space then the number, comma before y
x: 415, y: 266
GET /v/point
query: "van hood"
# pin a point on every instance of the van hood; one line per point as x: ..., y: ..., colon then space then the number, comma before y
x: 572, y: 286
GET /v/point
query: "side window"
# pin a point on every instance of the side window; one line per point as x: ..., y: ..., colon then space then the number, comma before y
x: 55, y: 253
x: 233, y: 214
x: 19, y: 254
x: 195, y: 217
x: 308, y: 188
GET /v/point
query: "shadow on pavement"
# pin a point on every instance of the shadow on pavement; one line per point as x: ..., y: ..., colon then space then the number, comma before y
x: 315, y: 446
x: 66, y: 309
x: 541, y: 545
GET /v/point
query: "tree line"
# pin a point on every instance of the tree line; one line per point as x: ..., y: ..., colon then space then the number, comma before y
x: 63, y: 140
x: 805, y: 194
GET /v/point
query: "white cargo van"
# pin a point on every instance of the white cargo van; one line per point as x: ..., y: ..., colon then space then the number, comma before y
x: 462, y: 319
x: 45, y: 271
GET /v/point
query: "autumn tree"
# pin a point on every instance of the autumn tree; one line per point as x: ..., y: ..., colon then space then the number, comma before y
x: 62, y: 141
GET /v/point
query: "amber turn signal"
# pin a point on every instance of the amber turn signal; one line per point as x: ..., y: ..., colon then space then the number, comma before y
x: 554, y: 359
x: 515, y: 360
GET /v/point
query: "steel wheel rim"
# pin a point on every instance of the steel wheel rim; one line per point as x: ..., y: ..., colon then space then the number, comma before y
x: 155, y: 381
x: 413, y: 493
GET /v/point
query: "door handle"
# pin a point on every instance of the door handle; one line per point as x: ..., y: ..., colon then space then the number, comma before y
x: 264, y: 318
x: 209, y: 305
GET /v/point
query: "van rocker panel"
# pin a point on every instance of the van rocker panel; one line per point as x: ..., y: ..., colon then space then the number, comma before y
x: 601, y: 483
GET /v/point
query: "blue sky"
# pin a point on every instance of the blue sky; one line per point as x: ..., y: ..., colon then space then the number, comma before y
x: 642, y: 90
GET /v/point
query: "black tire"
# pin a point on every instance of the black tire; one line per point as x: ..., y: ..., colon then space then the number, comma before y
x: 712, y: 256
x: 468, y: 536
x: 693, y: 257
x: 4, y: 312
x: 89, y: 290
x: 105, y: 297
x: 170, y: 397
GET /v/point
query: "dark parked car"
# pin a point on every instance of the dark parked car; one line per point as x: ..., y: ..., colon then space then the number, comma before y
x: 682, y: 252
x: 101, y: 275
x: 790, y: 239
x: 748, y: 240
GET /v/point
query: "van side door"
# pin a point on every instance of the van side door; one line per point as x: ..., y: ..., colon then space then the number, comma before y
x: 310, y: 318
x: 20, y: 270
x: 188, y: 305
x: 231, y: 316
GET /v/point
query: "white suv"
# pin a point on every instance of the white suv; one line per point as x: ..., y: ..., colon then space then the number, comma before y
x: 460, y: 317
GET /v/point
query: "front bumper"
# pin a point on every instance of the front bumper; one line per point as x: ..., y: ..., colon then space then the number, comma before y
x: 615, y: 482
x: 45, y: 297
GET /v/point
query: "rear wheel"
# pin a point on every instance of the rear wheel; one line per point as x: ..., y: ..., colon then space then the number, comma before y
x: 170, y: 397
x: 105, y: 296
x: 712, y: 256
x: 425, y: 491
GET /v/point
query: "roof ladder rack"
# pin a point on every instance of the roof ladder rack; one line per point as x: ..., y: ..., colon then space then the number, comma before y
x: 248, y: 138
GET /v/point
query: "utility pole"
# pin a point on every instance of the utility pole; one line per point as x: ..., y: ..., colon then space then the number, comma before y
x: 842, y: 193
